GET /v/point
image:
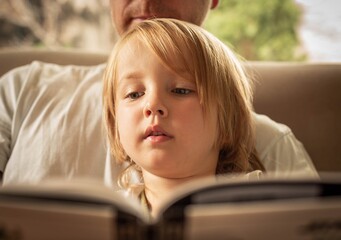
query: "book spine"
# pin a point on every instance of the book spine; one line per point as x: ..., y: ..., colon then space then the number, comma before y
x: 129, y: 227
x: 169, y: 230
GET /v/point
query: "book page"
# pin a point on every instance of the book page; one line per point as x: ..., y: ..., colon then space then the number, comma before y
x: 55, y: 221
x: 82, y: 190
x: 58, y: 209
x: 309, y: 219
x: 234, y: 188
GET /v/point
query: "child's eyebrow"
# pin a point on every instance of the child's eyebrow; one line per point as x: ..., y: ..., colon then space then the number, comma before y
x: 128, y: 78
x: 131, y: 75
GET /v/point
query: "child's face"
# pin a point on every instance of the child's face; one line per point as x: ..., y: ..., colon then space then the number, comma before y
x: 160, y: 120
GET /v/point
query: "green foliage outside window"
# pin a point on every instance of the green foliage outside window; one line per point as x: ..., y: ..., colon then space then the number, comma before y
x: 258, y: 29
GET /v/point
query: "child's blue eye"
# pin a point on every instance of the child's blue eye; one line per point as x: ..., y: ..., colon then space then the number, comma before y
x: 135, y: 95
x: 182, y: 91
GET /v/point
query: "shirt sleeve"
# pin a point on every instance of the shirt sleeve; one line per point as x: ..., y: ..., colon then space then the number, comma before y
x: 288, y: 157
x: 281, y: 153
x: 10, y: 87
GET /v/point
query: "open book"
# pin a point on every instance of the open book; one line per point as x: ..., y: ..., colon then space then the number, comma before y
x: 270, y: 208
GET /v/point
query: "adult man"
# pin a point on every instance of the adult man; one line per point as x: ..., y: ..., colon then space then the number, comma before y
x: 50, y: 116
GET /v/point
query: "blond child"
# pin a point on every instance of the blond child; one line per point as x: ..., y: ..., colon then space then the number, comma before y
x: 177, y: 107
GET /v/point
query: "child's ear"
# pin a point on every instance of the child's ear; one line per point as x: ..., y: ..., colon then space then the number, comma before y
x: 214, y: 4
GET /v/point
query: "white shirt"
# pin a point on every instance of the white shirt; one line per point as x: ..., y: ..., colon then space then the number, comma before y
x: 279, y: 150
x: 51, y: 126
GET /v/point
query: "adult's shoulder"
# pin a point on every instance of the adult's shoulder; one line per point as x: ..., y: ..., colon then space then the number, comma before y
x: 47, y: 65
x: 270, y: 136
x: 37, y: 70
x: 267, y: 130
x: 279, y: 150
x: 52, y: 68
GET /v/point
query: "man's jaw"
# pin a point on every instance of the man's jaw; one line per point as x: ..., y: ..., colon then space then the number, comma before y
x: 137, y: 19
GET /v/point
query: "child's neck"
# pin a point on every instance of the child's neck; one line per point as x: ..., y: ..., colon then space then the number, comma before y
x: 158, y: 189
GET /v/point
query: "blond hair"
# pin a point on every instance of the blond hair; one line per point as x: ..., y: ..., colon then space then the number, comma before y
x: 220, y: 80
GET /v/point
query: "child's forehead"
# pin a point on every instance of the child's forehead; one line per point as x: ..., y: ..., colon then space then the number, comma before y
x: 134, y: 46
x: 134, y: 50
x: 129, y: 47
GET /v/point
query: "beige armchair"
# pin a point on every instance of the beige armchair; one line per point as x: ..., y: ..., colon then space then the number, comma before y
x: 304, y: 96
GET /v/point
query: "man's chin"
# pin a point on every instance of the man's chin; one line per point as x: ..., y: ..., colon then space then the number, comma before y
x: 133, y: 23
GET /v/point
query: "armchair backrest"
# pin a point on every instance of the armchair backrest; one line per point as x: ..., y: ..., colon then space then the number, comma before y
x: 307, y: 98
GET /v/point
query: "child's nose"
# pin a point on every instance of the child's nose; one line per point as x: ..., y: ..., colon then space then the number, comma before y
x: 155, y: 107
